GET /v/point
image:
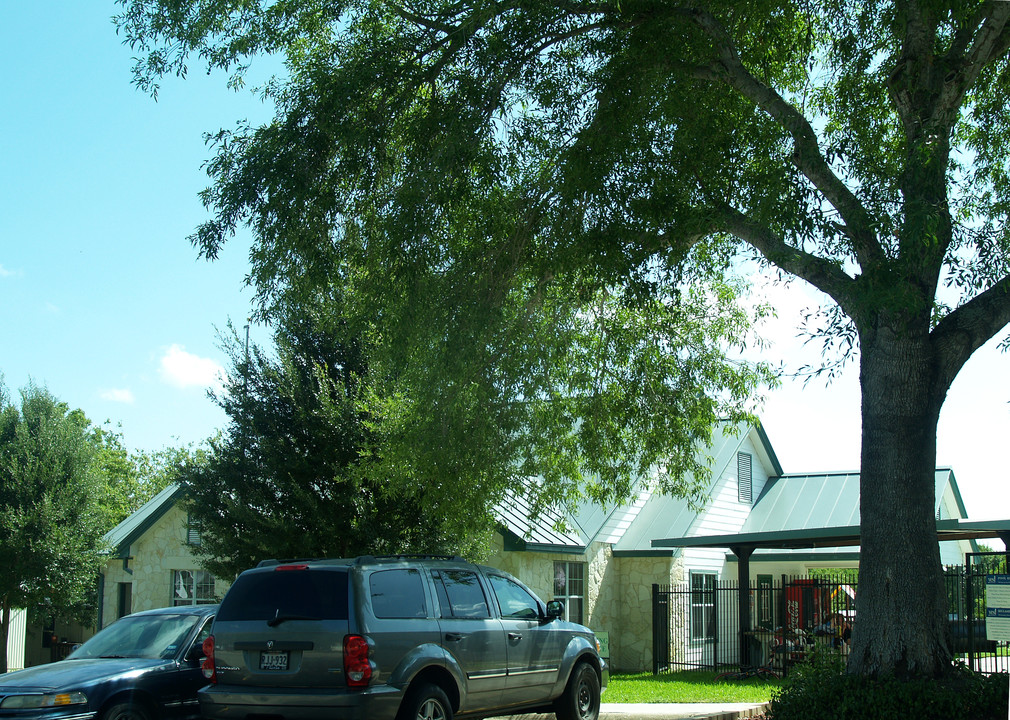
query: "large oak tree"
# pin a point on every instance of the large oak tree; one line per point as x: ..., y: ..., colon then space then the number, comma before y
x: 526, y: 196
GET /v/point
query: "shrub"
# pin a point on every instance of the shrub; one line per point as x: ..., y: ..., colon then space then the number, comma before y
x: 821, y: 690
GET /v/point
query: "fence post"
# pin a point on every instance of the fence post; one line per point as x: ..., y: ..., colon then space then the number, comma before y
x: 660, y: 629
x: 969, y: 597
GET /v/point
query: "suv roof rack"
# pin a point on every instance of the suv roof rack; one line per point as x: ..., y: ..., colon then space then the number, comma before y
x: 419, y: 556
x: 287, y: 561
x: 360, y: 559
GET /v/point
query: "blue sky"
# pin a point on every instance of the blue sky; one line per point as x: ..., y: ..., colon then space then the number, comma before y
x: 104, y: 302
x: 102, y: 299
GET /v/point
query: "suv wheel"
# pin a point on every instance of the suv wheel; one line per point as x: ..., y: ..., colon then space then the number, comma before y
x: 581, y: 699
x: 426, y: 702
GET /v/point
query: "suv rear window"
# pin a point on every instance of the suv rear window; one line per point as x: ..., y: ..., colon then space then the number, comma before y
x: 306, y: 593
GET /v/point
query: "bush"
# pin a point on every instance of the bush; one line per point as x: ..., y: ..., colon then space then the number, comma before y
x: 821, y: 690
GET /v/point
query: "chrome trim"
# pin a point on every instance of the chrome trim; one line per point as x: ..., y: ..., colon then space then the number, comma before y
x: 486, y: 676
x: 533, y: 672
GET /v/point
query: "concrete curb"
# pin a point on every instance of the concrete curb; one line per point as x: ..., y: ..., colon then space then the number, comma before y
x: 668, y: 711
x: 681, y: 711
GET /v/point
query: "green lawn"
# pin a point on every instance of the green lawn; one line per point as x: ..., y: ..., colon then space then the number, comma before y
x: 690, y: 686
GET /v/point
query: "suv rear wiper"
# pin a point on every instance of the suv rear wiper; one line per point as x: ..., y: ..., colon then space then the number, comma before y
x: 277, y: 619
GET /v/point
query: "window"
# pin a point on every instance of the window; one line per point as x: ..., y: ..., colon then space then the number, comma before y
x: 192, y: 587
x: 765, y: 601
x: 570, y: 586
x: 743, y: 477
x: 514, y: 601
x: 320, y: 593
x: 702, y: 606
x: 124, y: 605
x: 460, y: 594
x: 397, y: 594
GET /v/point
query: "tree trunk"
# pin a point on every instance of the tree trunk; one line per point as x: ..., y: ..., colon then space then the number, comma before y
x: 901, y: 604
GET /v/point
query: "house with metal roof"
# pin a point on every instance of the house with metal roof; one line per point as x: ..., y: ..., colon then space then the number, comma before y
x: 153, y: 564
x: 602, y: 561
x: 606, y: 561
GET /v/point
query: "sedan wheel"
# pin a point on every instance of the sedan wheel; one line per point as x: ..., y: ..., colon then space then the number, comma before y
x: 126, y: 711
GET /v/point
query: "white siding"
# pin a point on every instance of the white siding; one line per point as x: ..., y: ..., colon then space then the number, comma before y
x: 725, y: 514
x: 16, y: 641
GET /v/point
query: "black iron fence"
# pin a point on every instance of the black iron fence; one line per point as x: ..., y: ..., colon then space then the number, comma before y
x: 696, y: 624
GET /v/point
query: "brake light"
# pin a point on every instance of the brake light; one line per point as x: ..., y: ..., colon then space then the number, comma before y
x: 357, y: 668
x: 207, y: 666
x: 283, y: 568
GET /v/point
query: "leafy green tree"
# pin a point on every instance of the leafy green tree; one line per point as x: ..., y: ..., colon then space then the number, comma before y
x: 521, y: 197
x: 50, y: 530
x: 291, y: 477
x: 128, y: 480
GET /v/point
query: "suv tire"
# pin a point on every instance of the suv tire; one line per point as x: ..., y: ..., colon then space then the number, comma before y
x: 426, y: 702
x: 581, y: 699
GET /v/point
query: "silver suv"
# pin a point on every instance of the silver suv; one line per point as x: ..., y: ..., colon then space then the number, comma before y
x: 411, y: 638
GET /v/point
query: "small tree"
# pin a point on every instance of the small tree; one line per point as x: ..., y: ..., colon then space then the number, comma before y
x: 50, y: 529
x: 291, y: 477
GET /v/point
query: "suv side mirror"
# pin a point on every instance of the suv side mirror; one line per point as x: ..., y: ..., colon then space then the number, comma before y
x: 555, y: 609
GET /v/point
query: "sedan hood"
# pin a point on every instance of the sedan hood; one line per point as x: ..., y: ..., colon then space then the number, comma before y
x: 67, y: 673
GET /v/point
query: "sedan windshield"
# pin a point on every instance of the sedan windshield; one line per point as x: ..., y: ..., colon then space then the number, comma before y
x: 144, y: 636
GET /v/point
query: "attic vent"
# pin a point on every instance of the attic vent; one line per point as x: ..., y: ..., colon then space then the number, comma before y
x: 743, y: 475
x: 193, y: 528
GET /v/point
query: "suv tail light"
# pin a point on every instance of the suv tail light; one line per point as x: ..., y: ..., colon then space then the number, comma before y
x: 207, y: 666
x: 357, y: 668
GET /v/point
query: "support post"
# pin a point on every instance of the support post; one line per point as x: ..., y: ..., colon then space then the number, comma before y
x: 743, y: 553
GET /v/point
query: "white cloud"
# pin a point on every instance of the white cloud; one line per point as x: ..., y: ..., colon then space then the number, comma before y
x: 4, y: 272
x: 119, y: 395
x: 185, y: 370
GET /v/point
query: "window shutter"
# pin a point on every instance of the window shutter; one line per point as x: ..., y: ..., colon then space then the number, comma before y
x: 743, y: 477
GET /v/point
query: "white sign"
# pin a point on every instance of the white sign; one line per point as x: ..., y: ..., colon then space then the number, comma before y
x: 997, y: 607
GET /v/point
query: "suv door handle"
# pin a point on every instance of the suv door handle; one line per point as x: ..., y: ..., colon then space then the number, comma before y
x: 454, y: 637
x: 515, y: 636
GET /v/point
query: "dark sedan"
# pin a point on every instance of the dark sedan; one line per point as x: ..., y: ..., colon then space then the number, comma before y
x: 145, y: 666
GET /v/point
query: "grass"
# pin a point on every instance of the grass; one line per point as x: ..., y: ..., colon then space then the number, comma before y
x: 689, y: 686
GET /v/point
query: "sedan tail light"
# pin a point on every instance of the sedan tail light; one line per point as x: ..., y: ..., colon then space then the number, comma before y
x: 207, y: 666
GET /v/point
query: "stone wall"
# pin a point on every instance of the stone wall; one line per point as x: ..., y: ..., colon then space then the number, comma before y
x: 154, y: 557
x: 618, y: 593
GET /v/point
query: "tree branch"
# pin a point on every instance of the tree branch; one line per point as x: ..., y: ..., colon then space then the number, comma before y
x: 807, y: 155
x: 968, y: 328
x: 822, y: 274
x: 991, y: 41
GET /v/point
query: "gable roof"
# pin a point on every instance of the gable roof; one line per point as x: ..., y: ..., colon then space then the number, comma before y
x: 798, y: 515
x: 631, y: 526
x: 820, y: 500
x: 134, y: 526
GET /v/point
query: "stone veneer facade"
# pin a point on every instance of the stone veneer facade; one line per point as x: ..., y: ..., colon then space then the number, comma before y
x: 155, y: 556
x: 618, y: 592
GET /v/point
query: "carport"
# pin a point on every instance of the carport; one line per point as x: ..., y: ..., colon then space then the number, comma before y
x: 743, y: 546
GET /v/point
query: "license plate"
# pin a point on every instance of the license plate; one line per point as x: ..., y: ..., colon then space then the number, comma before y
x: 274, y: 660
